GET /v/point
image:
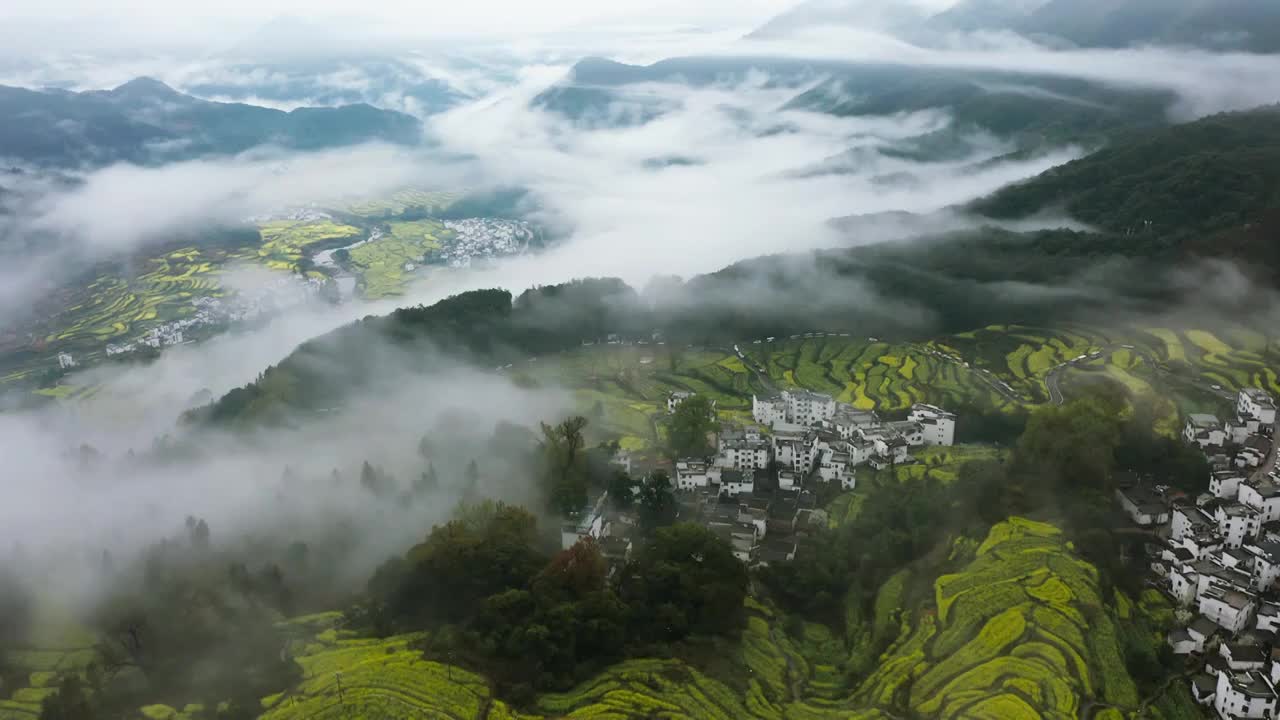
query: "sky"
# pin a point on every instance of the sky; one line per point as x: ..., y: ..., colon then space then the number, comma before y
x: 61, y: 26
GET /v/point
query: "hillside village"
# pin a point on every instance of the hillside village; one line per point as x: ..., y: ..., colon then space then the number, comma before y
x: 1217, y: 555
x: 759, y: 490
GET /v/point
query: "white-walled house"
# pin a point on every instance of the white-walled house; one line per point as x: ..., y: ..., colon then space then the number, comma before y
x: 1237, y: 523
x: 675, y: 399
x: 590, y: 523
x: 768, y: 410
x: 1268, y: 617
x: 1189, y: 519
x: 939, y: 426
x: 808, y: 408
x: 1225, y: 484
x: 1242, y: 656
x: 1265, y: 567
x: 796, y: 449
x: 1194, y: 637
x: 1204, y: 431
x: 1201, y: 544
x: 692, y: 474
x: 1244, y: 695
x: 787, y: 479
x: 1263, y: 496
x: 848, y: 422
x: 743, y: 454
x: 1258, y: 404
x: 1228, y: 607
x: 1143, y: 506
x: 736, y: 482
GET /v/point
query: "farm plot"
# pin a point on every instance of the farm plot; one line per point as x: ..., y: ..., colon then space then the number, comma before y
x: 385, y: 265
x: 875, y: 375
x: 115, y: 307
x: 943, y: 463
x: 286, y: 242
x: 1021, y: 631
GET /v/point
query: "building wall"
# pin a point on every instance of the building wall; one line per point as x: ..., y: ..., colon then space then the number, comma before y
x: 1224, y: 615
x: 1230, y: 703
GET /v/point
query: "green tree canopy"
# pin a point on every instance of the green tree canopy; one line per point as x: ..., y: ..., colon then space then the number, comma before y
x: 691, y: 426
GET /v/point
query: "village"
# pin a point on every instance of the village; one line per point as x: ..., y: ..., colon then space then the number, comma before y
x: 1217, y: 556
x: 759, y: 490
x: 282, y: 292
x: 483, y: 238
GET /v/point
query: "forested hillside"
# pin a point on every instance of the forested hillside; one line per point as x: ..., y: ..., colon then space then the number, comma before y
x: 145, y: 121
x: 1162, y: 187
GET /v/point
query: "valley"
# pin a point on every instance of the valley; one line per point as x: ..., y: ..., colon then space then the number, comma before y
x: 131, y: 308
x: 823, y: 360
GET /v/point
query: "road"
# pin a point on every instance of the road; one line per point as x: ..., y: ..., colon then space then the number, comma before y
x: 1053, y: 379
x: 761, y: 374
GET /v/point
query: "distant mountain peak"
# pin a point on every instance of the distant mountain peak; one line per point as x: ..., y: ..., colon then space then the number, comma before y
x: 146, y: 87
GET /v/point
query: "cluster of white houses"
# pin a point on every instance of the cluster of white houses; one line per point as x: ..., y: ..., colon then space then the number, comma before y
x: 757, y: 490
x: 809, y: 437
x: 1219, y: 559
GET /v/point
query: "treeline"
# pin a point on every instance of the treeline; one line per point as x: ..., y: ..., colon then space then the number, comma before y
x: 493, y: 596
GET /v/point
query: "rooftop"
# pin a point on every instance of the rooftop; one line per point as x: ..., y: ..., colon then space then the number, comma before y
x: 1203, y: 421
x: 1252, y: 684
x: 1241, y: 652
x: 1202, y: 626
x: 1259, y: 396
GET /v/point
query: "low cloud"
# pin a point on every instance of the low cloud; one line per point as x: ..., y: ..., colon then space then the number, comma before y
x: 1206, y: 82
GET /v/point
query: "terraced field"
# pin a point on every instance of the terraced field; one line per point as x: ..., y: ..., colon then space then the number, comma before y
x: 286, y: 242
x: 1021, y: 632
x: 1018, y: 630
x: 124, y: 304
x: 380, y: 264
x: 115, y: 308
x: 943, y: 463
x: 57, y: 647
x: 874, y: 375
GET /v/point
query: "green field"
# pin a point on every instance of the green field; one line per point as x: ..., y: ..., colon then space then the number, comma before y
x: 1020, y: 631
x: 380, y: 264
x: 286, y: 242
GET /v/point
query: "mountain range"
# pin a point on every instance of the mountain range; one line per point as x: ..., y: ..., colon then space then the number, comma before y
x: 145, y: 121
x: 1240, y: 25
x: 1031, y: 110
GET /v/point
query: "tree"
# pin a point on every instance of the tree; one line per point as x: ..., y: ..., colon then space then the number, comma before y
x: 70, y: 702
x: 691, y: 424
x: 622, y: 489
x: 1068, y: 448
x: 564, y: 465
x: 685, y: 581
x: 656, y: 501
x: 488, y: 549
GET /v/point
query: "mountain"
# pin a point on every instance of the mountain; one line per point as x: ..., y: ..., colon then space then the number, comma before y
x: 1182, y: 183
x: 364, y: 80
x: 1246, y: 25
x: 145, y: 121
x: 1243, y: 25
x: 1030, y: 109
